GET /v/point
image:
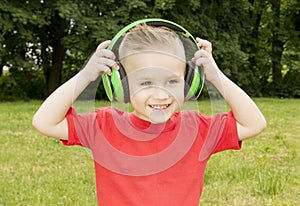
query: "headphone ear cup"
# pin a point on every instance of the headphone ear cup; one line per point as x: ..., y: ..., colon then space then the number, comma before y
x: 116, y: 85
x: 125, y: 84
x: 194, y: 78
x: 189, y: 76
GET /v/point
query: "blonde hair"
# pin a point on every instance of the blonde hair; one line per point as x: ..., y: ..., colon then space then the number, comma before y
x: 150, y: 38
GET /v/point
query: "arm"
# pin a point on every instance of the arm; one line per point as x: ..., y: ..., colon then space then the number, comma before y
x: 250, y: 120
x: 50, y: 119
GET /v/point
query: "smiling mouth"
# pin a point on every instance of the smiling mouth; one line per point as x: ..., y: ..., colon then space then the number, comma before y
x: 159, y: 106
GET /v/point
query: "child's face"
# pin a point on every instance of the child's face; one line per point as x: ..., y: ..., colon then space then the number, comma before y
x: 156, y: 84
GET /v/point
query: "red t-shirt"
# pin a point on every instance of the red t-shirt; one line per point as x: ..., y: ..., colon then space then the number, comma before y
x: 139, y: 163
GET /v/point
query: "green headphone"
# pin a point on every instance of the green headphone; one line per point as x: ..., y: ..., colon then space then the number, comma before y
x: 116, y: 86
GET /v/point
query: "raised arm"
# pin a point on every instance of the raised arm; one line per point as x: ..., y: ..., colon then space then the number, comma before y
x: 50, y: 117
x: 250, y: 120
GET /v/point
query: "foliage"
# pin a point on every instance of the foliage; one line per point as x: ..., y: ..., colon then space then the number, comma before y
x: 256, y: 42
x: 10, y: 90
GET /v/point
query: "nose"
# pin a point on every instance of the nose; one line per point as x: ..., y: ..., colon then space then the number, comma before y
x: 160, y: 93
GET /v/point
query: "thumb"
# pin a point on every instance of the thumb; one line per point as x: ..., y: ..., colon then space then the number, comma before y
x: 104, y: 45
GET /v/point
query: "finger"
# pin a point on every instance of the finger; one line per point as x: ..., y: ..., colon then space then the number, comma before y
x: 201, y: 53
x: 108, y: 72
x: 200, y: 61
x: 108, y: 62
x: 105, y: 53
x: 204, y: 44
x: 104, y: 68
x: 104, y: 45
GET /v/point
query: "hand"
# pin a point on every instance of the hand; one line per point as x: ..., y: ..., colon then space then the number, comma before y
x: 203, y: 57
x: 100, y: 62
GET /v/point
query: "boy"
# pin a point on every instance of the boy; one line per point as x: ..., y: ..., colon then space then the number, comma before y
x: 154, y: 155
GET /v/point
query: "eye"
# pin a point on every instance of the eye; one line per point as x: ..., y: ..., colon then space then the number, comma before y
x: 173, y: 81
x: 146, y: 83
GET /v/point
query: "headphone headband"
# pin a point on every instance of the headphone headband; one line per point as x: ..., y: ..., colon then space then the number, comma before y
x: 112, y: 83
x: 153, y: 22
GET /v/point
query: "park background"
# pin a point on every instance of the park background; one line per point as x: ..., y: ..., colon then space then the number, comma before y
x: 44, y: 42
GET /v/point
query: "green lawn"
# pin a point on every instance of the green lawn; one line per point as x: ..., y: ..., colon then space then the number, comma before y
x: 36, y: 170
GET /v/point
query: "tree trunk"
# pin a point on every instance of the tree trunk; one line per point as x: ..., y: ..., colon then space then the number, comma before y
x: 53, y: 68
x: 55, y: 72
x: 1, y: 70
x: 277, y: 45
x: 250, y: 45
x: 255, y: 18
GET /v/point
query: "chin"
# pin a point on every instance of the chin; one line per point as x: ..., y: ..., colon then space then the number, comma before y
x: 156, y: 121
x: 159, y: 118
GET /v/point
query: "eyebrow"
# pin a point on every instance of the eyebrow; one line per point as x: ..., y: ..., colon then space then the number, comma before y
x: 144, y: 79
x: 150, y: 78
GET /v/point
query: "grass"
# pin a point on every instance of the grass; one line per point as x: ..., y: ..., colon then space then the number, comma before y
x: 36, y: 170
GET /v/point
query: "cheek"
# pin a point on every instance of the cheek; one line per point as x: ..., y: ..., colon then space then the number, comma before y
x: 136, y: 93
x: 180, y: 99
x: 177, y: 92
x: 138, y: 96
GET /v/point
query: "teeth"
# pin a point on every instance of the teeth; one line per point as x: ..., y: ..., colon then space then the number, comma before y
x: 159, y: 106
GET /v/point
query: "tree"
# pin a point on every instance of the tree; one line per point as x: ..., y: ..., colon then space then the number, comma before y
x: 271, y: 36
x: 255, y: 42
x: 280, y: 20
x: 41, y: 32
x: 50, y: 32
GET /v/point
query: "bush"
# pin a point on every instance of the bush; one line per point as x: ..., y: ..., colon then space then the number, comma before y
x: 10, y: 90
x: 22, y: 85
x: 292, y: 83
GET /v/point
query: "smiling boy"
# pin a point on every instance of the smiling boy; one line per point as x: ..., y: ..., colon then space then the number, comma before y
x: 157, y: 154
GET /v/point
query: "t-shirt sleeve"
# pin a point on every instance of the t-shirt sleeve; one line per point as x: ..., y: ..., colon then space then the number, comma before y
x: 222, y: 135
x: 81, y: 128
x: 228, y: 134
